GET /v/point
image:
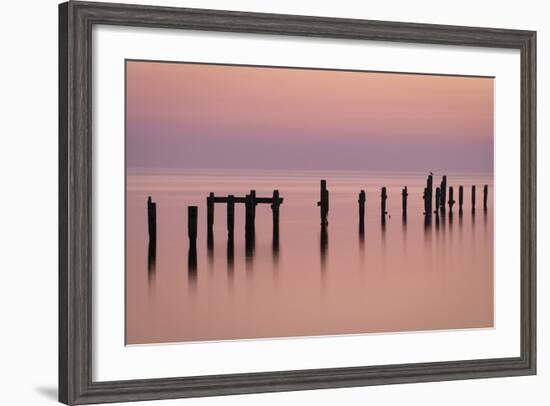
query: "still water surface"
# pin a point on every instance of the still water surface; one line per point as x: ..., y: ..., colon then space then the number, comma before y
x: 401, y: 277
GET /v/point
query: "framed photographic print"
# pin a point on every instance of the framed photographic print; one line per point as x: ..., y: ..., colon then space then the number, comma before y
x: 257, y: 202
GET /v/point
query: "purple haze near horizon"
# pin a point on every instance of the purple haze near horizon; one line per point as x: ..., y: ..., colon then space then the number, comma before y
x: 233, y: 117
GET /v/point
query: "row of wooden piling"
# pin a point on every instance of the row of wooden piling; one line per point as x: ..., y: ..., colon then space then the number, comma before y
x: 251, y: 201
x: 441, y: 194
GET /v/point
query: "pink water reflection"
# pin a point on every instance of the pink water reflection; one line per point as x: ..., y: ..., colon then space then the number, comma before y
x: 405, y: 277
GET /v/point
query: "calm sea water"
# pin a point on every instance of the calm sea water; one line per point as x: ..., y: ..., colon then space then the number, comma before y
x: 403, y: 277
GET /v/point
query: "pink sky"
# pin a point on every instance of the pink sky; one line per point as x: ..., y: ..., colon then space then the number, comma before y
x: 220, y: 116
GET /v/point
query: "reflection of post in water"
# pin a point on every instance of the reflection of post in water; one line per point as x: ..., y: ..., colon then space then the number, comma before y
x: 192, y: 234
x: 192, y: 263
x: 383, y: 237
x: 210, y: 246
x: 230, y: 256
x: 275, y: 249
x: 324, y: 246
x: 152, y: 259
x: 362, y: 244
x: 427, y: 228
x: 249, y: 246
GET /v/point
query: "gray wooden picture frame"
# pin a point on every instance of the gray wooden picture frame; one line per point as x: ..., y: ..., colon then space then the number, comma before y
x: 76, y: 20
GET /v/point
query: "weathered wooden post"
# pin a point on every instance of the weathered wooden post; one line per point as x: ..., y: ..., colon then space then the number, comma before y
x: 485, y: 193
x: 230, y: 232
x: 323, y: 203
x: 192, y: 224
x: 428, y: 193
x: 460, y: 198
x: 473, y: 198
x: 152, y: 219
x: 192, y: 233
x: 427, y: 215
x: 250, y: 208
x: 404, y: 194
x: 361, y: 201
x: 383, y: 198
x: 437, y: 199
x: 210, y: 223
x: 275, y: 210
x: 253, y: 204
x: 210, y: 211
x: 230, y: 217
x: 451, y: 199
x: 443, y: 192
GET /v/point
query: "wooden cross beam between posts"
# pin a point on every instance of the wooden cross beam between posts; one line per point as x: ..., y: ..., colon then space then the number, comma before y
x: 250, y: 201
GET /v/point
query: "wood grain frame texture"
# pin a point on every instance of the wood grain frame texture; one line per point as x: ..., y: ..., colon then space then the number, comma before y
x: 76, y: 20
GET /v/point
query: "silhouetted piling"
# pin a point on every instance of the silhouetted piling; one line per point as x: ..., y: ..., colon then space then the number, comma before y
x: 485, y: 193
x: 210, y: 211
x: 250, y: 217
x: 460, y: 198
x: 427, y: 214
x: 230, y: 217
x: 428, y: 194
x: 250, y: 213
x: 210, y: 224
x: 404, y: 194
x: 361, y: 201
x: 383, y: 211
x: 192, y: 224
x: 443, y: 193
x: 152, y: 219
x: 451, y: 201
x: 437, y: 200
x: 473, y: 198
x: 275, y: 210
x: 323, y: 203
